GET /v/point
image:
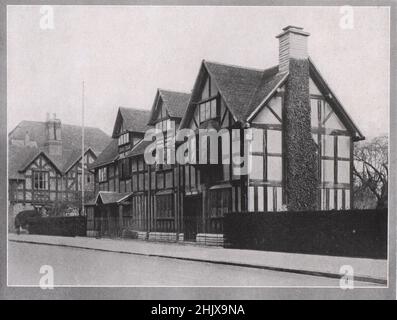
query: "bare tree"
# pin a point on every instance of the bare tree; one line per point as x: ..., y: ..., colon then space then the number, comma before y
x: 371, y: 170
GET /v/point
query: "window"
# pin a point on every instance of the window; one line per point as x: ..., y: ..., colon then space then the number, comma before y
x: 165, y: 125
x: 165, y: 144
x: 165, y: 206
x: 139, y: 178
x: 40, y: 180
x: 219, y: 202
x: 208, y: 107
x: 124, y: 169
x: 102, y: 174
x: 208, y: 110
x: 124, y: 138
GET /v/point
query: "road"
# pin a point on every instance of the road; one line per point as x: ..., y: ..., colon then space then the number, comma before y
x: 84, y: 267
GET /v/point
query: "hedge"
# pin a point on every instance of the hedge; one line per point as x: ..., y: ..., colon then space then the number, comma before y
x: 352, y: 233
x: 58, y: 226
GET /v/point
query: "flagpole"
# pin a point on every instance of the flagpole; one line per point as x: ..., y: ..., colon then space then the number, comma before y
x: 82, y: 151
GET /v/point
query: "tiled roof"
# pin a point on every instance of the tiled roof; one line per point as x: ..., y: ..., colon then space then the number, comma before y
x: 109, y: 154
x: 176, y: 102
x: 94, y: 138
x: 269, y: 82
x: 139, y: 148
x: 108, y: 197
x: 17, y: 157
x: 20, y: 156
x: 238, y: 85
x: 135, y: 119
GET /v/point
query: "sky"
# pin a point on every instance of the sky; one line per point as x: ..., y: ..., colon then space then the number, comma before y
x: 124, y: 53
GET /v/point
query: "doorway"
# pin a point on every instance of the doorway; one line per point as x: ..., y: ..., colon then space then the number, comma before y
x: 192, y: 214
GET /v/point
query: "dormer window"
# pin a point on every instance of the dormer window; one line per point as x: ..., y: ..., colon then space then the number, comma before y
x: 165, y: 125
x: 208, y: 110
x: 124, y: 139
x: 208, y: 106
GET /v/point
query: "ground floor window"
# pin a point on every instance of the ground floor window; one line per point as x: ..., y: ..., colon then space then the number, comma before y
x: 335, y: 199
x: 219, y: 202
x: 265, y: 198
x: 165, y: 205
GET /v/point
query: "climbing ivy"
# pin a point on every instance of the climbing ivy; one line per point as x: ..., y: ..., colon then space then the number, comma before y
x: 300, y: 149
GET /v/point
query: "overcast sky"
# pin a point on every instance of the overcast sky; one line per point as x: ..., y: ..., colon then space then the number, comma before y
x: 124, y: 53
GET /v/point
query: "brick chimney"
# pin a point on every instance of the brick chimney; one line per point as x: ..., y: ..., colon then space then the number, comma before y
x: 301, y: 182
x: 53, y: 142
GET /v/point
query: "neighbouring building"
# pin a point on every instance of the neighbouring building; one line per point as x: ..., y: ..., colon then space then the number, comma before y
x: 44, y: 165
x: 299, y: 146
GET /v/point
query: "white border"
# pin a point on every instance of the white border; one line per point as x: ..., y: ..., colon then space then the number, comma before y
x: 160, y: 286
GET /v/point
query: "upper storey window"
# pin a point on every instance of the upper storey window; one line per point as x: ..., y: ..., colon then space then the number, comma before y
x: 165, y: 125
x: 124, y: 139
x: 208, y: 105
x: 40, y: 180
x: 103, y: 174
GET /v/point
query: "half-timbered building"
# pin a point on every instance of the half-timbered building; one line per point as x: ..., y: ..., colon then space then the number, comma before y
x: 45, y: 167
x: 293, y: 135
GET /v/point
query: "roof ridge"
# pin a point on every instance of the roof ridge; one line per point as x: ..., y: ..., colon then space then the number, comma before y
x: 62, y: 123
x: 234, y: 65
x: 173, y: 91
x: 134, y: 108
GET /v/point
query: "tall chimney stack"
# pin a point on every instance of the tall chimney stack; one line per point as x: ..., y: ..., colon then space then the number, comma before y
x: 53, y: 143
x: 292, y: 45
x: 301, y: 164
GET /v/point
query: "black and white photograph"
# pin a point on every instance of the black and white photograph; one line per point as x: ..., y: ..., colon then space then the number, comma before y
x: 198, y: 146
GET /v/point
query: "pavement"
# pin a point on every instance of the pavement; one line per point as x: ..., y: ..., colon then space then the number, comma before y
x: 365, y: 270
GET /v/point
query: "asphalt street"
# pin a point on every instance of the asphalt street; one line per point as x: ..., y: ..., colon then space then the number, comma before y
x: 73, y: 266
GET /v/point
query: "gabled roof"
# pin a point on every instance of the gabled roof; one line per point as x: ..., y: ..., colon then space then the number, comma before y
x: 94, y: 138
x: 108, y: 155
x: 17, y: 157
x: 246, y: 90
x: 108, y: 197
x: 74, y: 158
x: 240, y: 87
x: 270, y: 82
x: 20, y: 156
x: 334, y: 101
x: 35, y: 156
x: 175, y: 103
x: 133, y: 120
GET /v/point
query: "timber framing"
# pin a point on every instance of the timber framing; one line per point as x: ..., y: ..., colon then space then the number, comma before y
x: 175, y: 202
